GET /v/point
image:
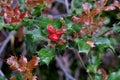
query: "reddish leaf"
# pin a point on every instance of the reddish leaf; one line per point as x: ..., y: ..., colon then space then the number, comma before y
x: 110, y: 7
x: 14, y: 15
x: 13, y: 62
x: 7, y: 20
x: 24, y: 66
x: 103, y: 2
x: 23, y: 15
x: 28, y: 76
x: 33, y: 3
x: 5, y: 3
x: 8, y: 12
x: 75, y: 19
x: 62, y: 41
x: 85, y: 20
x: 103, y: 72
x: 91, y: 43
x: 83, y: 31
x: 12, y: 78
x: 86, y: 7
x: 20, y: 33
x: 33, y: 62
x: 75, y: 35
x: 59, y: 32
x: 116, y: 3
x: 23, y: 63
x: 15, y: 20
x: 16, y: 10
x: 94, y: 12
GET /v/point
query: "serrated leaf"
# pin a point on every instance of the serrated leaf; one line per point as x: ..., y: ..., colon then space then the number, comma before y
x: 99, y: 41
x: 28, y: 23
x: 37, y: 10
x: 36, y: 34
x: 46, y: 55
x: 74, y: 27
x: 82, y: 45
x: 116, y: 28
x: 103, y: 43
x: 43, y: 22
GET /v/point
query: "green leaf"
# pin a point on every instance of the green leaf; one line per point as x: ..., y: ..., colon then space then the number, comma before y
x: 103, y: 43
x: 76, y: 7
x: 12, y: 27
x: 74, y: 28
x: 46, y: 55
x: 36, y: 34
x: 22, y: 4
x: 1, y: 23
x: 98, y: 77
x: 2, y: 78
x: 82, y: 45
x: 28, y: 23
x: 114, y: 76
x: 37, y: 10
x: 116, y: 28
x: 18, y: 76
x: 30, y: 44
x: 43, y: 22
x: 68, y: 21
x: 93, y: 64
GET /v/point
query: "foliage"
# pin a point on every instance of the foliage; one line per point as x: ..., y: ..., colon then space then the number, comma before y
x: 85, y: 31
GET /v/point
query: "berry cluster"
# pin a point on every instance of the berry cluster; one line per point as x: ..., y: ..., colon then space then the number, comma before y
x: 54, y: 35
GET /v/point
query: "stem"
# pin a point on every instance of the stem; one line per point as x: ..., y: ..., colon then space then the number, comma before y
x: 105, y: 32
x: 76, y: 52
x: 2, y: 74
x: 63, y: 68
x: 67, y: 6
x: 6, y: 42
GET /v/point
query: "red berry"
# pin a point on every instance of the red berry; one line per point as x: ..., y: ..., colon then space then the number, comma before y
x: 51, y: 29
x: 53, y: 37
x: 59, y: 32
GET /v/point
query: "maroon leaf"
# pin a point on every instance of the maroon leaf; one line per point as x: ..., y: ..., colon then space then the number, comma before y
x: 86, y: 7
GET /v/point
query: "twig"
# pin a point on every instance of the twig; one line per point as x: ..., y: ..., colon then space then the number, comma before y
x: 60, y: 1
x: 77, y: 53
x: 109, y: 30
x: 1, y: 74
x: 1, y: 51
x: 77, y: 71
x: 4, y: 33
x: 6, y: 42
x: 63, y: 68
x: 24, y: 49
x: 58, y: 16
x: 67, y: 6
